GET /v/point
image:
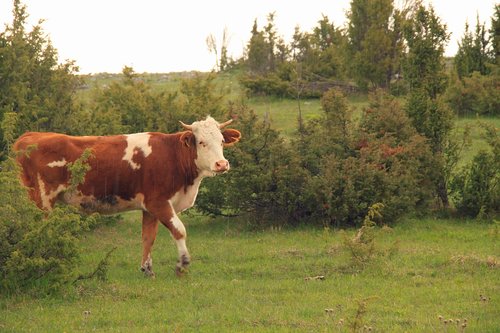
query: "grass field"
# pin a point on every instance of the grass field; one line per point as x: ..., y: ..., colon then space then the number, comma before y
x: 244, y: 280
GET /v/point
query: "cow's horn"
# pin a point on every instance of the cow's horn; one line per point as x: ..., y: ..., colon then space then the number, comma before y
x: 224, y: 124
x: 188, y: 127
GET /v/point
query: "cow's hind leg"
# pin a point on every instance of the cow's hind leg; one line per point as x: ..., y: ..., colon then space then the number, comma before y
x: 149, y: 231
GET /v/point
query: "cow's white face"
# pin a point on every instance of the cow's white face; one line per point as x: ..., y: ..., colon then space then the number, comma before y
x: 209, y: 145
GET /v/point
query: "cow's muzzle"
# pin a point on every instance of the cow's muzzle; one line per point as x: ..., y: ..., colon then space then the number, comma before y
x: 221, y: 166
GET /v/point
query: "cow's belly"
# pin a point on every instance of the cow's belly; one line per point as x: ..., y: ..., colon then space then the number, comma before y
x: 110, y: 204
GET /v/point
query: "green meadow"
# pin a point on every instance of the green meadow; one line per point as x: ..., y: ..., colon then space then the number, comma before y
x: 303, y: 279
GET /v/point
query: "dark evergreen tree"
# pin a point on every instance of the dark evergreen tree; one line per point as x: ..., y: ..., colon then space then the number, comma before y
x: 32, y: 82
x: 473, y: 54
x: 375, y: 43
x: 424, y: 69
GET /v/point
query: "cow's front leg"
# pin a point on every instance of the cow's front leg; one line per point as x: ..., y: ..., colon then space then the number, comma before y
x: 149, y: 231
x: 169, y: 218
x: 178, y: 232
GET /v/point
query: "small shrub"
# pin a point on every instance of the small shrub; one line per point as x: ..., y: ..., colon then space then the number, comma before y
x: 37, y: 249
x: 475, y: 189
x: 362, y: 246
x: 270, y: 84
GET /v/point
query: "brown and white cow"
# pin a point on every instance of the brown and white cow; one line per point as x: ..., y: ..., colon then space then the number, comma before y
x: 157, y: 173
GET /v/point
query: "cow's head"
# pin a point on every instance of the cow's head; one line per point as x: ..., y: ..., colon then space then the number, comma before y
x: 210, y: 138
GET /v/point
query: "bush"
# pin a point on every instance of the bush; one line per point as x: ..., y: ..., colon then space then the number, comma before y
x: 269, y: 84
x: 475, y: 95
x: 476, y: 187
x: 333, y: 171
x: 38, y: 249
x: 383, y: 160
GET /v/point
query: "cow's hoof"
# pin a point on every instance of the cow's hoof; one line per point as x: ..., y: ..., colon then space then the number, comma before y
x: 182, y: 265
x: 180, y: 271
x: 148, y: 272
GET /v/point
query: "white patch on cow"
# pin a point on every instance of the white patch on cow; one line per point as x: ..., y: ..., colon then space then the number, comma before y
x: 60, y: 163
x: 183, y: 200
x: 181, y: 247
x: 177, y: 223
x: 134, y: 142
x: 48, y: 197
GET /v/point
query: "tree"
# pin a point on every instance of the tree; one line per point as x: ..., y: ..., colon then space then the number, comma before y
x: 221, y: 63
x: 257, y: 52
x: 32, y: 83
x: 319, y: 53
x: 424, y: 69
x: 495, y: 34
x: 473, y: 54
x: 374, y: 41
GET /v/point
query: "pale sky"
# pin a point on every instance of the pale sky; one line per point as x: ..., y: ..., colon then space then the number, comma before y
x: 169, y: 36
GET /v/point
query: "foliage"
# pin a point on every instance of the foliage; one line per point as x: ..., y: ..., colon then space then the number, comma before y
x: 333, y: 171
x: 423, y: 65
x: 311, y: 60
x: 78, y: 169
x: 385, y: 161
x: 362, y: 246
x: 476, y: 187
x: 424, y: 70
x: 271, y: 84
x: 38, y: 249
x: 375, y: 45
x: 33, y: 85
x: 131, y: 105
x: 473, y: 54
x: 477, y: 95
x: 259, y: 163
x: 495, y: 34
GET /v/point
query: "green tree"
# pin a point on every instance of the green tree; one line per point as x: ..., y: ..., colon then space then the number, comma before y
x: 375, y: 43
x: 424, y: 69
x: 426, y: 39
x: 473, y: 54
x: 32, y: 83
x: 257, y: 51
x: 495, y: 34
x: 319, y: 53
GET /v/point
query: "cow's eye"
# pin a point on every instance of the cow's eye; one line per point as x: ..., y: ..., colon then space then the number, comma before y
x: 202, y: 143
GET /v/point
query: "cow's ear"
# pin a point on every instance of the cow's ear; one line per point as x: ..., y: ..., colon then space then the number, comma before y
x: 187, y: 138
x: 231, y: 136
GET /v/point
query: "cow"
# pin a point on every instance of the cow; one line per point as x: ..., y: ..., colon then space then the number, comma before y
x: 157, y: 173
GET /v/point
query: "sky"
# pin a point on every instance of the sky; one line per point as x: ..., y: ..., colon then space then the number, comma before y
x: 170, y: 36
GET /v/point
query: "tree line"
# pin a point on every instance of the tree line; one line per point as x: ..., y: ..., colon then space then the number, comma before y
x: 371, y: 51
